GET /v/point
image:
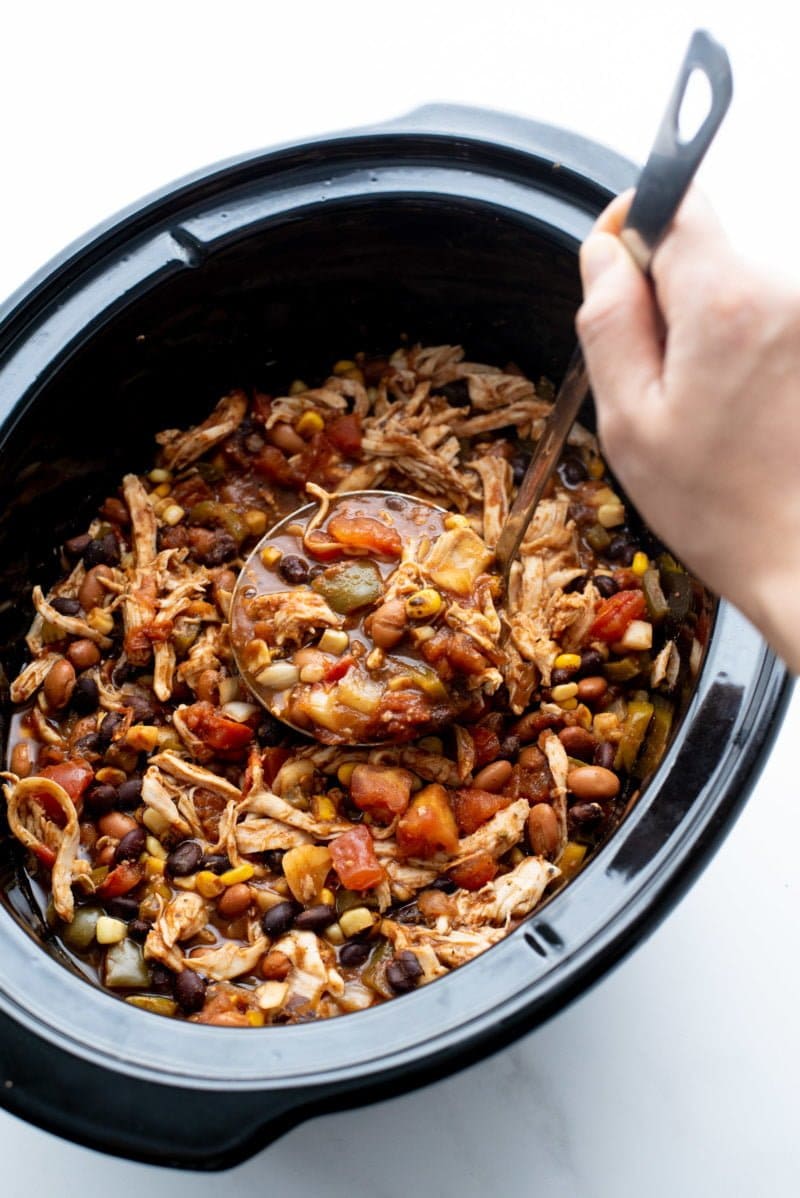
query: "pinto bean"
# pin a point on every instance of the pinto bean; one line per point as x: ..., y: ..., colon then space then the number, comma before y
x: 83, y: 654
x: 532, y: 757
x: 543, y: 830
x: 529, y: 727
x: 92, y: 592
x: 207, y: 686
x: 59, y: 684
x: 115, y: 824
x: 578, y: 742
x: 285, y: 438
x: 234, y: 901
x: 275, y: 965
x: 591, y: 689
x: 494, y: 776
x: 388, y: 624
x: 21, y: 759
x: 593, y: 782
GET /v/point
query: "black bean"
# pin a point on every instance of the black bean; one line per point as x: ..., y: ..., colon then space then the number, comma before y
x: 216, y: 862
x: 583, y: 814
x: 398, y: 979
x: 316, y: 919
x: 131, y: 847
x: 273, y: 859
x: 74, y: 548
x: 559, y: 676
x: 85, y: 695
x: 410, y: 964
x: 162, y: 980
x: 577, y: 584
x: 394, y: 503
x: 122, y: 671
x: 509, y: 746
x: 100, y: 797
x: 185, y: 859
x: 293, y: 569
x: 354, y: 953
x: 279, y: 919
x: 221, y: 549
x: 621, y: 549
x: 315, y: 571
x: 573, y: 471
x: 143, y: 710
x: 270, y: 732
x: 65, y: 606
x: 123, y: 908
x: 446, y: 885
x: 190, y: 991
x: 605, y: 754
x: 605, y: 585
x: 138, y: 929
x: 109, y: 726
x: 591, y: 661
x: 103, y: 551
x: 88, y: 746
x: 253, y: 442
x: 129, y: 793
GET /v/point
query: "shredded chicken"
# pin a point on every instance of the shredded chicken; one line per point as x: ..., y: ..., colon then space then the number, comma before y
x: 29, y: 822
x: 294, y: 615
x: 180, y: 919
x: 510, y: 896
x: 182, y: 448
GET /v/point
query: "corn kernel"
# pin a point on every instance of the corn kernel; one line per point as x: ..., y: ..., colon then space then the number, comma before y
x: 347, y: 369
x: 611, y: 514
x: 173, y: 514
x: 157, y: 1004
x: 110, y: 931
x: 159, y: 475
x: 571, y: 859
x: 241, y: 873
x: 345, y: 772
x: 596, y: 468
x: 256, y: 655
x: 334, y: 934
x: 640, y: 563
x: 111, y: 776
x: 323, y: 808
x: 454, y: 520
x: 100, y: 620
x: 189, y: 883
x: 155, y: 848
x: 327, y: 896
x: 155, y: 822
x: 583, y: 716
x: 163, y: 891
x: 143, y: 737
x: 309, y: 423
x: 255, y: 1018
x: 270, y: 555
x: 567, y: 690
x: 297, y: 387
x: 355, y: 920
x: 333, y: 640
x: 375, y: 659
x: 256, y: 521
x: 568, y: 704
x: 424, y: 604
x: 605, y: 722
x: 208, y: 884
x: 516, y: 856
x: 162, y: 490
x: 567, y: 661
x: 154, y: 867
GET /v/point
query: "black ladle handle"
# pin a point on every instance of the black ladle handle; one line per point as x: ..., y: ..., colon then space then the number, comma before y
x: 673, y: 162
x: 662, y: 185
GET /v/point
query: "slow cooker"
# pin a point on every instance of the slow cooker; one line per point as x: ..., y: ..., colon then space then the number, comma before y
x: 450, y: 225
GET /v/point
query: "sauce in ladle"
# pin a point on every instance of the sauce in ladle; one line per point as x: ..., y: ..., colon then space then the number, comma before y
x: 345, y: 619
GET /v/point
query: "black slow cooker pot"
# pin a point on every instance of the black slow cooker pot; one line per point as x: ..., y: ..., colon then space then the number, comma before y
x: 451, y: 225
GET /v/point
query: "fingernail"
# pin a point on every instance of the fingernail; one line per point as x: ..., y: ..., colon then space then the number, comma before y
x: 598, y: 253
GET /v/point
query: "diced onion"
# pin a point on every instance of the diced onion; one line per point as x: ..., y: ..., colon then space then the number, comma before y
x: 239, y: 711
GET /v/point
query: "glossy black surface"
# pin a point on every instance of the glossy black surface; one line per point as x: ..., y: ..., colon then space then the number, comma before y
x: 453, y: 225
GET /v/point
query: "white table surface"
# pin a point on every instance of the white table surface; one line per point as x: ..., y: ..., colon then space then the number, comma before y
x: 676, y: 1074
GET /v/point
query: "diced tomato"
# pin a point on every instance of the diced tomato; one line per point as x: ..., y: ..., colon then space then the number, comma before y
x: 532, y: 781
x: 474, y: 807
x: 428, y: 826
x: 345, y: 433
x: 121, y: 880
x: 487, y: 745
x: 74, y: 776
x: 272, y: 760
x: 382, y: 790
x: 339, y: 669
x: 222, y: 735
x: 315, y: 462
x: 464, y: 655
x: 275, y: 466
x: 353, y: 856
x: 262, y: 406
x: 362, y: 532
x: 475, y: 872
x: 615, y: 614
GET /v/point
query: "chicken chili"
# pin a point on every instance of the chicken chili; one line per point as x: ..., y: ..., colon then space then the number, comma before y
x: 204, y: 860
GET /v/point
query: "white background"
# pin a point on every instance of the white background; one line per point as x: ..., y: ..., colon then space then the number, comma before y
x: 676, y: 1074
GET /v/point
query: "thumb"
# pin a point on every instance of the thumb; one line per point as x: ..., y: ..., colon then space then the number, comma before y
x: 619, y: 326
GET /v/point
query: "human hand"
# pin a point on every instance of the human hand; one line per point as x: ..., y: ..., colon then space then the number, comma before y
x: 696, y: 378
